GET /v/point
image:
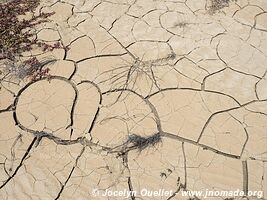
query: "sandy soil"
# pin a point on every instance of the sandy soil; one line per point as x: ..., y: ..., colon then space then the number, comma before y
x: 152, y: 94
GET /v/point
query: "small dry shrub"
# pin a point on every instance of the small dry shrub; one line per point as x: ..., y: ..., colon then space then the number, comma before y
x: 18, y: 35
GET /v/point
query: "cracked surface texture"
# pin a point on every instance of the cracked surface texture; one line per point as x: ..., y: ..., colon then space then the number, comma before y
x: 156, y: 94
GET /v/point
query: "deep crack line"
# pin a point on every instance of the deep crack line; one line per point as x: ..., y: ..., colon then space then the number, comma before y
x: 99, y: 103
x: 21, y: 162
x: 70, y: 174
x: 17, y: 122
x: 205, y: 147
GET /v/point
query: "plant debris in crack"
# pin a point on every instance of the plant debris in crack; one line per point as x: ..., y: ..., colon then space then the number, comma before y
x: 142, y: 143
x: 219, y: 4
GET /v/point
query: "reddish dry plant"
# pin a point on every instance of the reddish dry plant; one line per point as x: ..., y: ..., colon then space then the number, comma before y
x: 18, y: 35
x: 35, y: 69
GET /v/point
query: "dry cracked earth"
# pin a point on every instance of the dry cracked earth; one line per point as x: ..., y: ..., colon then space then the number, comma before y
x: 156, y: 94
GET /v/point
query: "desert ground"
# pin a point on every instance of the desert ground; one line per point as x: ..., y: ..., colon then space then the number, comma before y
x: 149, y: 95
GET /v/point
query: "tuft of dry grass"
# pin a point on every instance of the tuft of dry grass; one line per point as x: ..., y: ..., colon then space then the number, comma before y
x: 219, y: 4
x: 142, y: 143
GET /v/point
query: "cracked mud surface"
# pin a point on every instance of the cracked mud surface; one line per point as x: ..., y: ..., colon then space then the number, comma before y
x: 151, y: 94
